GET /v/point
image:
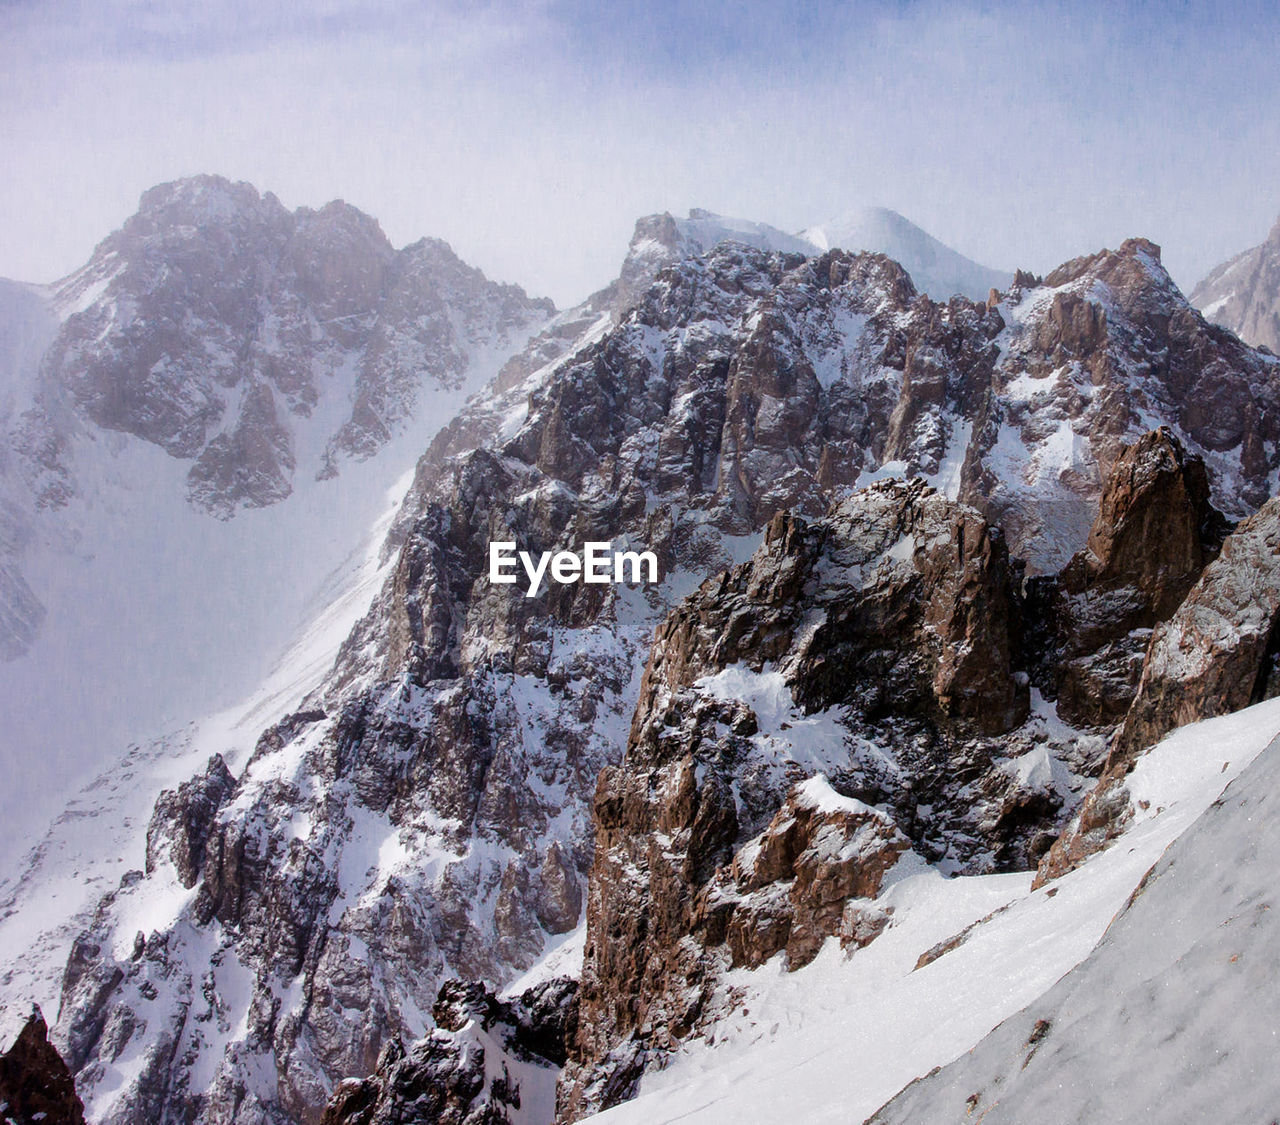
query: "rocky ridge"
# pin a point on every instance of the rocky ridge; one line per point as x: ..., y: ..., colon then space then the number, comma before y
x: 426, y: 813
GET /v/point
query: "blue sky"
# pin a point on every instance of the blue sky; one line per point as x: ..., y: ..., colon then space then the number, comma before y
x: 532, y: 134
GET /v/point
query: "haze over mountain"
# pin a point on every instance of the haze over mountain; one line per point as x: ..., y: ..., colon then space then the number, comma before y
x: 1243, y: 293
x: 936, y: 269
x: 201, y: 426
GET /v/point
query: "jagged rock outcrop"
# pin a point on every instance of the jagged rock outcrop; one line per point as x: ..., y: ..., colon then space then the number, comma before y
x: 427, y: 813
x: 1243, y: 294
x: 490, y: 1062
x: 1154, y: 533
x: 818, y: 852
x: 1218, y: 653
x: 36, y: 1088
x: 182, y: 820
x: 877, y: 647
x: 1105, y: 349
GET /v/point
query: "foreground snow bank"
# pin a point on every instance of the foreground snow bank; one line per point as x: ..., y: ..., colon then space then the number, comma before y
x: 835, y: 1040
x: 1172, y: 1018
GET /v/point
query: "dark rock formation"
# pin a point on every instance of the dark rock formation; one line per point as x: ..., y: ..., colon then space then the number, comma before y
x: 183, y: 817
x: 489, y: 1059
x: 36, y: 1087
x: 1154, y: 533
x: 877, y: 646
x: 1217, y: 654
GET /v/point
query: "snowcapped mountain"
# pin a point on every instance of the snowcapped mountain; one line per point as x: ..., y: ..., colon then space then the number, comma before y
x: 201, y: 427
x: 431, y: 809
x: 1243, y: 294
x: 935, y: 268
x: 920, y: 560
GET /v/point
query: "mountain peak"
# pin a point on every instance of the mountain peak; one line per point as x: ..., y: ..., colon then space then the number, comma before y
x: 207, y: 196
x: 934, y: 267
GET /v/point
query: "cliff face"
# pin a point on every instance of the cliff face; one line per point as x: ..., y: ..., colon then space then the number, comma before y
x: 804, y: 719
x: 1154, y: 534
x: 1216, y: 654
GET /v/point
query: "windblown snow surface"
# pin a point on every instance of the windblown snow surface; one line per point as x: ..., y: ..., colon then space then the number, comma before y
x: 935, y: 268
x: 1174, y: 1009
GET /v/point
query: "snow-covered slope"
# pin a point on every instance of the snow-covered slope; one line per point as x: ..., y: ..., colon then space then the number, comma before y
x: 48, y: 898
x: 218, y: 357
x: 28, y: 324
x: 934, y: 267
x: 837, y: 1038
x: 1173, y: 1016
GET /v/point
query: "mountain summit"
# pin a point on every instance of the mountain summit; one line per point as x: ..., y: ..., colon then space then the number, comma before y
x: 934, y: 267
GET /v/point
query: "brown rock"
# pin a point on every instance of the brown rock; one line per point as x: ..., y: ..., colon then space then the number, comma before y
x: 1217, y: 654
x: 1154, y: 533
x: 36, y: 1087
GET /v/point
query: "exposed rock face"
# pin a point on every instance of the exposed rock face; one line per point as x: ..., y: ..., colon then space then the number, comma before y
x: 1217, y: 654
x: 1243, y: 294
x: 819, y: 851
x: 878, y: 646
x: 1154, y: 534
x: 36, y: 1088
x: 427, y: 814
x: 260, y: 348
x: 215, y: 324
x: 183, y: 817
x: 489, y: 1060
x: 1104, y: 350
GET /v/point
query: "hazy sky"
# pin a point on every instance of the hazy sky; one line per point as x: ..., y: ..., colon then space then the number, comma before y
x: 531, y: 135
